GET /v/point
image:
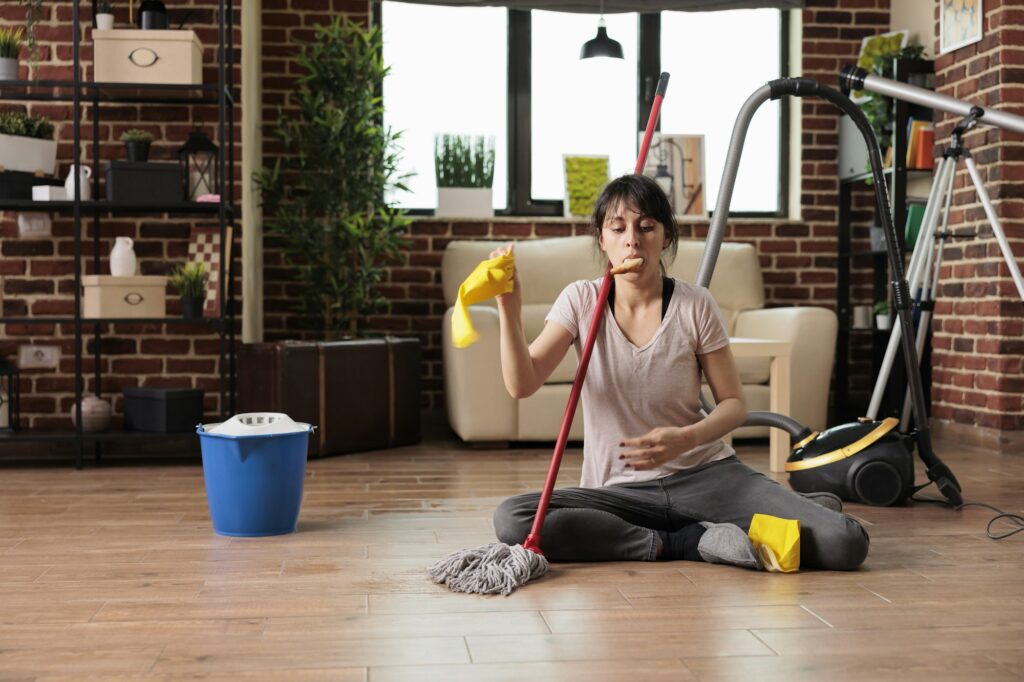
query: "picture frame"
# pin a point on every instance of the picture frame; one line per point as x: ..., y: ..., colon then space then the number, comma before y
x: 960, y: 24
x: 872, y: 46
x: 676, y: 162
x: 204, y: 246
x: 585, y: 177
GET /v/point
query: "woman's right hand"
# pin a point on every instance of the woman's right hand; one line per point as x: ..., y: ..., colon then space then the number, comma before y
x: 514, y: 299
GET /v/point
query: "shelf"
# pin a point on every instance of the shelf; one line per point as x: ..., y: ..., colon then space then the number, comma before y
x: 104, y: 206
x: 868, y: 175
x: 112, y: 93
x: 71, y: 435
x: 209, y: 321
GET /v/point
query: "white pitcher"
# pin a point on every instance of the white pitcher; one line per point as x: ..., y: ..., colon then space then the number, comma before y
x: 84, y: 187
x: 122, y: 258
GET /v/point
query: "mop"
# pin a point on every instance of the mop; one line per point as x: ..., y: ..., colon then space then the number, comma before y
x: 498, y: 568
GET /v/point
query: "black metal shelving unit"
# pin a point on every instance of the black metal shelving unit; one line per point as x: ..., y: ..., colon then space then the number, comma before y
x: 897, y: 178
x: 80, y: 92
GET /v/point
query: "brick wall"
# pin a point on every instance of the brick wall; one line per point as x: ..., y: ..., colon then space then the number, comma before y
x: 979, y: 318
x: 38, y: 274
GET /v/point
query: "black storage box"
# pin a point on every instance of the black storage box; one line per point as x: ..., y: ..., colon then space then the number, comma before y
x: 18, y: 185
x: 144, y: 182
x: 163, y: 410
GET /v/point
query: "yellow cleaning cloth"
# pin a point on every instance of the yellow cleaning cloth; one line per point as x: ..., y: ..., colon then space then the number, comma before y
x: 491, y: 278
x: 777, y: 542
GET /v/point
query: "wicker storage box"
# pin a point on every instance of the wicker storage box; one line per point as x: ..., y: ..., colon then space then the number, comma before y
x: 161, y: 57
x: 108, y: 296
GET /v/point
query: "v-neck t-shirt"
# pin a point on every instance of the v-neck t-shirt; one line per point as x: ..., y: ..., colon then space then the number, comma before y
x: 629, y: 390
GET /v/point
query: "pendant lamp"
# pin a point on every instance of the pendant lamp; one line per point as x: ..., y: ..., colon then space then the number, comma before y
x: 601, y: 45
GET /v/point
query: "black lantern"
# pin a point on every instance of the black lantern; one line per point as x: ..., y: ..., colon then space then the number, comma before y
x: 10, y: 395
x: 198, y: 159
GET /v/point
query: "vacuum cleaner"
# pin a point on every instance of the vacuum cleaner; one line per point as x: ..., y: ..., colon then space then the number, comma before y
x: 867, y: 461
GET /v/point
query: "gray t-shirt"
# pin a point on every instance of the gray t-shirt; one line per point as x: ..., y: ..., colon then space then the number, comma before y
x: 630, y: 390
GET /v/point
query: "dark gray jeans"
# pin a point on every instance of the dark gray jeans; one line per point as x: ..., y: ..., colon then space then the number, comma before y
x: 617, y: 522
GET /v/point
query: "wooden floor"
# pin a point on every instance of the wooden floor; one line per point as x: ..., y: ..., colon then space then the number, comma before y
x: 114, y: 572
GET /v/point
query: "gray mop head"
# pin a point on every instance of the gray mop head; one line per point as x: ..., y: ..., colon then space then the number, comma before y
x: 489, y: 569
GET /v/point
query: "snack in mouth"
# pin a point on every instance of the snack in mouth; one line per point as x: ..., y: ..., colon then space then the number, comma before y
x: 628, y: 265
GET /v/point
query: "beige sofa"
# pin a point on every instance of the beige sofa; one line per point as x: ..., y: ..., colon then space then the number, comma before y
x: 479, y: 407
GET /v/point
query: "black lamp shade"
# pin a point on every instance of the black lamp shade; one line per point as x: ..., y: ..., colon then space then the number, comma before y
x: 198, y: 157
x: 601, y: 46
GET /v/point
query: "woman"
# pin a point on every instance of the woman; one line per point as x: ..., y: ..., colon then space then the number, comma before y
x: 658, y: 483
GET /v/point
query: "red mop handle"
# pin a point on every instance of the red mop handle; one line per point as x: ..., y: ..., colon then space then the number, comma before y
x: 532, y: 542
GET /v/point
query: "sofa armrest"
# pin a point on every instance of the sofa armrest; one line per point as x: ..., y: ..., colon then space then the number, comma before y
x: 812, y: 331
x: 479, y: 406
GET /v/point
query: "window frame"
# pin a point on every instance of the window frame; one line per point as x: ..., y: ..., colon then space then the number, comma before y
x: 519, y: 124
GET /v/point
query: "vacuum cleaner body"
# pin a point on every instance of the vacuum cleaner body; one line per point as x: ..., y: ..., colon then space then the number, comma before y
x: 866, y: 461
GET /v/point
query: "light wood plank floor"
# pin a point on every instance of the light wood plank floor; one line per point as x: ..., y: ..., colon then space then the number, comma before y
x: 114, y: 573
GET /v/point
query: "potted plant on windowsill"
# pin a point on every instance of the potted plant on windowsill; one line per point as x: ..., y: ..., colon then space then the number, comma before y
x: 136, y: 143
x: 10, y: 48
x: 464, y: 166
x: 324, y: 206
x: 189, y: 280
x: 26, y: 143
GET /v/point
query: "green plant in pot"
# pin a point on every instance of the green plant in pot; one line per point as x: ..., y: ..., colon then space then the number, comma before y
x: 136, y: 143
x: 11, y: 40
x: 464, y: 169
x: 104, y: 16
x: 189, y: 279
x: 883, y: 320
x: 325, y: 210
x: 324, y: 196
x: 26, y: 143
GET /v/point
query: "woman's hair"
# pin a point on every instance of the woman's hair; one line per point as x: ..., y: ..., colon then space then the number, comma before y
x: 644, y: 194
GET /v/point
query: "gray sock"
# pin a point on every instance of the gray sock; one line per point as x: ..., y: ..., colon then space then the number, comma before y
x: 726, y: 543
x: 826, y: 500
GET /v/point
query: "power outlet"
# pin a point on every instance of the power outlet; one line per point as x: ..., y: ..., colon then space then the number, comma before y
x: 38, y: 357
x: 34, y: 225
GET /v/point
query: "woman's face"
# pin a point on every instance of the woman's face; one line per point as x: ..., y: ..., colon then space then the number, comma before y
x: 627, y: 233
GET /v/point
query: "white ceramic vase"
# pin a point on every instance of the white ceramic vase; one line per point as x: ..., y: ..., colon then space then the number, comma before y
x: 122, y: 258
x: 8, y: 69
x: 95, y: 414
x: 84, y: 174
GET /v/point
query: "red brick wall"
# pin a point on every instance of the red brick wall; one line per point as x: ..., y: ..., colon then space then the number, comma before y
x: 38, y: 274
x: 979, y: 318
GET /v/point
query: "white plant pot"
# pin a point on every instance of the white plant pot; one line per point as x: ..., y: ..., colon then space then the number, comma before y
x: 465, y: 202
x: 883, y: 322
x: 104, y: 22
x: 8, y: 69
x: 28, y: 154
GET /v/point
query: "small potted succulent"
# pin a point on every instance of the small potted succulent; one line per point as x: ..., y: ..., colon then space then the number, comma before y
x: 882, y: 319
x: 137, y: 142
x: 190, y: 281
x: 10, y: 47
x: 26, y: 143
x: 104, y: 16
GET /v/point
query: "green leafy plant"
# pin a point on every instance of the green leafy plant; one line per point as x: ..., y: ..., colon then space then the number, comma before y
x: 33, y: 13
x: 136, y: 135
x: 189, y: 279
x: 324, y: 196
x: 10, y: 42
x: 105, y: 8
x: 881, y: 307
x: 23, y: 125
x: 464, y: 160
x: 879, y: 108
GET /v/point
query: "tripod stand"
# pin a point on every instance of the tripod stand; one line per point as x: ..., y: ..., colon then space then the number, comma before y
x: 922, y: 274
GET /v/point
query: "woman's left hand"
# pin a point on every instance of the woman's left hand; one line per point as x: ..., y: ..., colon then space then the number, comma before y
x: 658, y: 446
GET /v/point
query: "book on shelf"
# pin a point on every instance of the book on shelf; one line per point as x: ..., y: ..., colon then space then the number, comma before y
x: 920, y: 140
x: 915, y: 213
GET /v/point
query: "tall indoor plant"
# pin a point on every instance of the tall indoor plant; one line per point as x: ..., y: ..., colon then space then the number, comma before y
x: 324, y: 196
x: 324, y: 203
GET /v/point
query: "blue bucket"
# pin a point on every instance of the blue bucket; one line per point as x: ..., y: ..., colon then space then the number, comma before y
x: 254, y: 482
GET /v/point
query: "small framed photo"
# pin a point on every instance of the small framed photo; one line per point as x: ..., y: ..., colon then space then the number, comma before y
x: 960, y: 24
x: 676, y: 162
x: 585, y: 177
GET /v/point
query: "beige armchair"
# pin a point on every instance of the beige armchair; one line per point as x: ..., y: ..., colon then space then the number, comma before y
x: 479, y: 407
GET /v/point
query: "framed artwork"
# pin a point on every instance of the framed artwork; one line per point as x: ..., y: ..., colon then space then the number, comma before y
x: 676, y: 162
x: 960, y: 24
x: 585, y: 177
x: 204, y: 246
x: 873, y: 46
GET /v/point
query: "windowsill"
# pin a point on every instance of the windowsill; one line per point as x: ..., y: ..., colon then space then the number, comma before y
x: 561, y: 220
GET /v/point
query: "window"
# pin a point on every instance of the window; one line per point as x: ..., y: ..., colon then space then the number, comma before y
x: 517, y: 75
